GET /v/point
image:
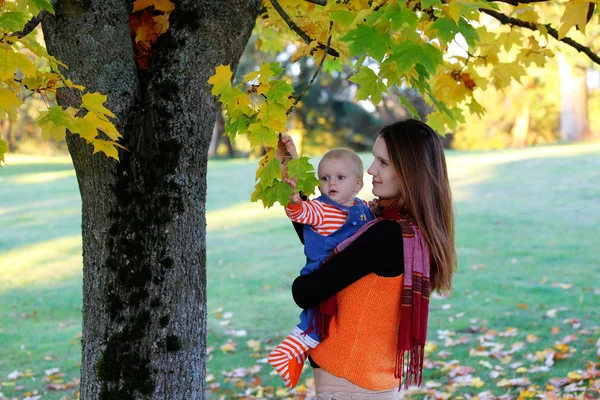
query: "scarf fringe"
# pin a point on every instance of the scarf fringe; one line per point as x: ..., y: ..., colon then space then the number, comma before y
x: 409, y: 366
x: 321, y: 317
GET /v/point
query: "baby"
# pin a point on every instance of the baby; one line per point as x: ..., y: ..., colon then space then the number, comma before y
x: 328, y: 220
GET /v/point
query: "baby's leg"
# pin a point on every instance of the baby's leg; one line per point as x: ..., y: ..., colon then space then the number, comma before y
x: 289, y: 356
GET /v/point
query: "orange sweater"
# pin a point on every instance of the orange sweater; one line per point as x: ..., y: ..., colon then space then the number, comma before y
x: 363, y: 335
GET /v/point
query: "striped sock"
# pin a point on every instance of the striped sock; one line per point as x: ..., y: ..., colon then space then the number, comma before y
x: 288, y: 359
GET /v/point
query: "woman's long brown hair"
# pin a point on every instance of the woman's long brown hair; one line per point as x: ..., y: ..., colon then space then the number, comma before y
x: 418, y: 158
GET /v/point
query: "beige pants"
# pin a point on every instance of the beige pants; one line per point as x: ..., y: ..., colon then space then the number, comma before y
x: 331, y: 387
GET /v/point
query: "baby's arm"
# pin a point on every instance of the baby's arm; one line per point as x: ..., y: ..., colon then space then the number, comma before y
x: 306, y: 212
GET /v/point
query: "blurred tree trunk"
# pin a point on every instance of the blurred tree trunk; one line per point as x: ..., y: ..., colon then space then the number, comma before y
x: 217, y: 137
x: 5, y: 133
x: 574, y: 119
x: 521, y: 127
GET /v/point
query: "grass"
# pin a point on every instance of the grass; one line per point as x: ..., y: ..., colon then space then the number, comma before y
x: 527, y: 231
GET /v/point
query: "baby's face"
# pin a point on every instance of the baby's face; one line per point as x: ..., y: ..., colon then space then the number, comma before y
x: 339, y: 181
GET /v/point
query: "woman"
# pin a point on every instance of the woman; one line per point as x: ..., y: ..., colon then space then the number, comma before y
x: 383, y: 275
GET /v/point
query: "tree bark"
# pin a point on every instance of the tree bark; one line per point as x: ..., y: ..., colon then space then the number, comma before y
x: 143, y: 219
x: 574, y: 118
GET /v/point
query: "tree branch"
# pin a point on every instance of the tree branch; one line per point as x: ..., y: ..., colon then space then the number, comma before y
x: 517, y: 2
x: 315, y: 74
x: 318, y: 2
x: 299, y: 31
x: 31, y: 24
x: 506, y: 20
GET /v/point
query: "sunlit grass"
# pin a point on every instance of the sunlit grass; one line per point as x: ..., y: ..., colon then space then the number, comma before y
x: 42, y: 263
x: 527, y: 226
x: 42, y: 177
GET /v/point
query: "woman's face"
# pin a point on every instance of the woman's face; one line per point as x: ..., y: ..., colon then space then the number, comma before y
x: 385, y: 183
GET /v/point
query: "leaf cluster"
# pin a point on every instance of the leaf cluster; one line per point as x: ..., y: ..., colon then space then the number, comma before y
x: 449, y: 51
x: 258, y: 107
x: 26, y: 69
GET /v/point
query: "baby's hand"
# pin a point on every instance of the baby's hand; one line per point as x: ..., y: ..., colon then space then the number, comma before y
x: 295, y: 196
x: 374, y: 206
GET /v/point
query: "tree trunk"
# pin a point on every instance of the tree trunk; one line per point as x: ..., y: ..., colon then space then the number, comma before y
x: 143, y: 219
x: 574, y: 120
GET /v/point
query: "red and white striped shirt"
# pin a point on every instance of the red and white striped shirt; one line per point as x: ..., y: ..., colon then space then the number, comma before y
x: 322, y: 217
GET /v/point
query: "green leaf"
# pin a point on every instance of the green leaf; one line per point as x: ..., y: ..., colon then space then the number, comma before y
x: 258, y: 194
x: 236, y: 124
x: 94, y: 102
x: 468, y: 31
x: 409, y: 107
x: 308, y: 184
x: 279, y: 192
x: 274, y: 116
x: 279, y: 92
x: 300, y: 167
x: 343, y: 18
x: 401, y: 19
x: 446, y: 29
x: 276, y: 68
x: 270, y: 173
x: 408, y: 53
x: 35, y: 6
x: 370, y: 85
x: 13, y: 21
x: 330, y: 66
x: 3, y: 150
x: 261, y: 135
x: 54, y: 123
x: 428, y: 3
x: 366, y: 39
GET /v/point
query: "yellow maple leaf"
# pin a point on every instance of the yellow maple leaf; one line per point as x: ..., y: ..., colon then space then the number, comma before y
x: 106, y: 147
x: 162, y: 23
x: 303, y: 51
x: 94, y: 102
x: 502, y: 73
x: 221, y: 80
x: 166, y: 6
x: 139, y: 5
x: 8, y: 99
x: 575, y: 15
x: 525, y: 12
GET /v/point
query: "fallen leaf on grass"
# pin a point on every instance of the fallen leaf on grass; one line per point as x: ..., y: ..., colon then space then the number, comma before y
x: 14, y: 375
x: 509, y: 332
x: 229, y: 347
x: 555, y: 330
x: 531, y: 338
x: 253, y: 344
x: 513, y: 382
x: 52, y: 371
x: 236, y: 333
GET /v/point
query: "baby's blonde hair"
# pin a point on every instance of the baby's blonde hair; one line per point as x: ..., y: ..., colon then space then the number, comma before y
x: 348, y: 154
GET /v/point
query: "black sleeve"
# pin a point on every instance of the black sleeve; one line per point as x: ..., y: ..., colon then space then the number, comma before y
x: 379, y: 249
x: 299, y: 231
x: 300, y: 227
